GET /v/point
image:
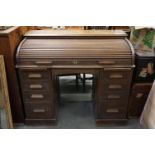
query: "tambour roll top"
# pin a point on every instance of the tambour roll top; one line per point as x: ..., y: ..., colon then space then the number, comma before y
x: 76, y: 44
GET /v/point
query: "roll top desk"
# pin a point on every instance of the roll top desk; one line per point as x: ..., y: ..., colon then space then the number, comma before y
x: 44, y: 55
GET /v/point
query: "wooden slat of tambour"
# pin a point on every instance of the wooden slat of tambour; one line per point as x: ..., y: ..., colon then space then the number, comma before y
x: 64, y: 56
x: 72, y: 53
x: 67, y: 54
x: 76, y: 50
x: 75, y: 41
x: 81, y: 44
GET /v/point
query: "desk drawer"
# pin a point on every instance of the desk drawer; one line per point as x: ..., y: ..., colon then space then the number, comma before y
x: 37, y: 96
x: 38, y: 111
x: 122, y: 76
x: 108, y: 110
x: 116, y: 85
x: 35, y: 85
x: 115, y: 95
x: 115, y: 103
x: 34, y: 74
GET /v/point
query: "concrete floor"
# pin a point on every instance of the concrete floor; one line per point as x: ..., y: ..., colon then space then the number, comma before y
x: 76, y: 110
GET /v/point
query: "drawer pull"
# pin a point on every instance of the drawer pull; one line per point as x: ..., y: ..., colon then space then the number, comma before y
x: 37, y: 96
x: 114, y: 110
x: 39, y: 110
x: 116, y: 76
x: 43, y: 62
x: 36, y: 86
x: 139, y: 95
x: 115, y: 86
x: 34, y: 76
x: 107, y: 62
x: 113, y: 97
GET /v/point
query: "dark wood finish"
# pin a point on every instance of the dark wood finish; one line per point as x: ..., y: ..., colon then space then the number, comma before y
x: 138, y: 97
x: 46, y: 55
x: 9, y: 40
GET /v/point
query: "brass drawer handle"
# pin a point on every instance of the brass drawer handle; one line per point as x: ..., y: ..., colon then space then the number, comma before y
x: 116, y: 76
x: 33, y: 75
x: 115, y: 86
x: 39, y: 110
x: 113, y: 97
x: 37, y: 96
x: 113, y: 110
x: 43, y: 62
x: 108, y: 62
x: 36, y: 86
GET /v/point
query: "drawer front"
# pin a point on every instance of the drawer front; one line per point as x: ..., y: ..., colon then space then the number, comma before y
x: 115, y: 95
x: 30, y: 74
x: 115, y: 85
x: 111, y: 111
x: 71, y: 61
x: 35, y: 85
x: 115, y: 103
x: 122, y: 76
x: 36, y: 96
x: 38, y: 111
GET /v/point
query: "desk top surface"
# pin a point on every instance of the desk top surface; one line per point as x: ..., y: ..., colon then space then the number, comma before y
x: 78, y: 33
